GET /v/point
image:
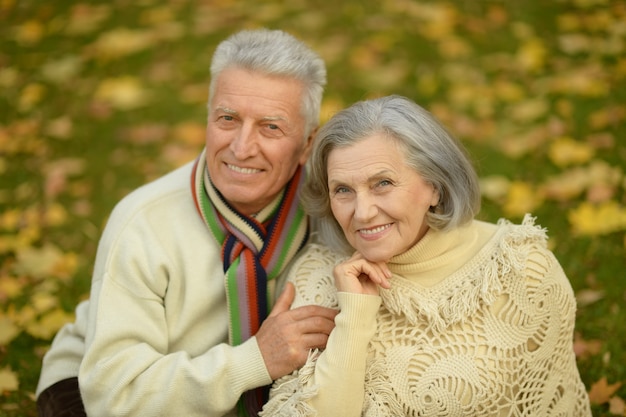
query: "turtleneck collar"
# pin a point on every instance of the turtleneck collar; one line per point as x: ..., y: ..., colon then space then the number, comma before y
x: 440, y: 253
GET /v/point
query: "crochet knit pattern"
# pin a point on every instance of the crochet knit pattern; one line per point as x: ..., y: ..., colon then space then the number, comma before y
x: 494, y: 338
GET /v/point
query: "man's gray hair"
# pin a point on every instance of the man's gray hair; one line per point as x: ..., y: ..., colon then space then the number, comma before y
x: 274, y: 53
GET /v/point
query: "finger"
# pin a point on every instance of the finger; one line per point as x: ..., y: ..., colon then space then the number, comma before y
x: 314, y: 341
x: 283, y: 303
x: 373, y: 272
x: 309, y: 311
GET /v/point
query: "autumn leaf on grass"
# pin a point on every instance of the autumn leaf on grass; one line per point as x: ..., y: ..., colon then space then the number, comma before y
x: 521, y: 198
x: 495, y: 187
x: 58, y: 171
x: 85, y: 18
x: 121, y: 42
x: 587, y: 81
x: 8, y: 330
x: 29, y: 32
x: 574, y: 43
x: 601, y: 391
x: 583, y: 349
x: 603, y: 118
x: 49, y: 324
x: 38, y: 262
x: 599, y: 179
x: 597, y: 219
x: 11, y: 287
x: 517, y: 144
x: 617, y: 406
x: 30, y: 96
x: 63, y: 69
x: 567, y: 185
x: 8, y: 380
x: 566, y: 151
x: 122, y: 93
x: 190, y: 133
x: 529, y: 110
x: 588, y: 296
x: 532, y: 54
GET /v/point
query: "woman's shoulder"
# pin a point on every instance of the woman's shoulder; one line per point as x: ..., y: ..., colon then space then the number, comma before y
x: 312, y: 276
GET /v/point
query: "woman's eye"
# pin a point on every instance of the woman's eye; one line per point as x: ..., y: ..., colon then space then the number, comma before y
x: 384, y: 183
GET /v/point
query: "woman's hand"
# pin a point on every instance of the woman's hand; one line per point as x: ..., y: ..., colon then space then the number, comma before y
x: 360, y: 276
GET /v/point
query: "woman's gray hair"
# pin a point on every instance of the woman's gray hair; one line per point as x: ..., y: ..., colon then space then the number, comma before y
x: 275, y: 53
x: 437, y: 156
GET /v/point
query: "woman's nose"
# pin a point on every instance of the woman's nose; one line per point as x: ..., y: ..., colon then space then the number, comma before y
x: 365, y: 207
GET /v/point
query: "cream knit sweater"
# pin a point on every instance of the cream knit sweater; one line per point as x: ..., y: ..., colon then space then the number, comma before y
x: 153, y: 338
x: 478, y: 322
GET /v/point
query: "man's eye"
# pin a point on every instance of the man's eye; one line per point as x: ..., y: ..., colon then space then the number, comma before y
x: 228, y: 118
x: 272, y: 126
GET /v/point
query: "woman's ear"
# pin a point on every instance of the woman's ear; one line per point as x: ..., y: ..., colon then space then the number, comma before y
x: 434, y: 202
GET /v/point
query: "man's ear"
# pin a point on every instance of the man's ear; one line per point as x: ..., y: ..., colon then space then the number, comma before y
x: 308, y: 146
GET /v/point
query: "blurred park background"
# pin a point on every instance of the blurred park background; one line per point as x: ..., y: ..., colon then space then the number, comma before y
x: 99, y: 97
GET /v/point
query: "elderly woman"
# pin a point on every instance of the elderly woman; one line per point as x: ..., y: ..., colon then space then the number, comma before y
x: 440, y: 314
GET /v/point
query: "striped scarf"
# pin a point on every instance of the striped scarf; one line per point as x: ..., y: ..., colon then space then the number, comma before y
x: 254, y: 251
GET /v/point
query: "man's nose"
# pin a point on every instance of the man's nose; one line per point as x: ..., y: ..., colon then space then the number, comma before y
x: 244, y: 143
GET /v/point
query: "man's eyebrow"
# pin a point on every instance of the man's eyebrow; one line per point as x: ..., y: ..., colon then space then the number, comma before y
x: 232, y: 112
x: 226, y: 110
x: 273, y: 118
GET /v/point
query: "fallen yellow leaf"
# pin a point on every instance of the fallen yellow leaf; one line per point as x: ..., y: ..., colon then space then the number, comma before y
x: 29, y: 33
x: 521, y: 198
x: 8, y: 330
x: 566, y: 151
x: 8, y: 380
x: 121, y: 41
x: 123, y: 93
x: 37, y: 262
x: 49, y: 324
x: 597, y: 219
x: 532, y: 54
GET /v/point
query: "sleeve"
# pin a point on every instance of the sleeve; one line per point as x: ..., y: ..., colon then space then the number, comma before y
x: 63, y: 359
x: 131, y: 364
x: 129, y: 370
x: 331, y: 383
x: 552, y: 373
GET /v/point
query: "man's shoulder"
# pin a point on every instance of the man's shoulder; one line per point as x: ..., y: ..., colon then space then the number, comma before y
x: 174, y: 182
x: 172, y: 186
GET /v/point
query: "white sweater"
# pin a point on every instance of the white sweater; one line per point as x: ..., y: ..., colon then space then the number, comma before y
x: 156, y: 325
x: 479, y: 322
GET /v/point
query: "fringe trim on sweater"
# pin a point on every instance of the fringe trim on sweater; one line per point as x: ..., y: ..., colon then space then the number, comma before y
x: 292, y: 392
x: 380, y: 399
x: 505, y: 257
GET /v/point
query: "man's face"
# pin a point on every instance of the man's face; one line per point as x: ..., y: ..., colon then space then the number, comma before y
x: 255, y: 137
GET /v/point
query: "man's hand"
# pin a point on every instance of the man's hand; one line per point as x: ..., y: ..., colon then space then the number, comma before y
x: 286, y: 336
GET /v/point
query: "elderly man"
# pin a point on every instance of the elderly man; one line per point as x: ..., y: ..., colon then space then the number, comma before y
x: 179, y: 320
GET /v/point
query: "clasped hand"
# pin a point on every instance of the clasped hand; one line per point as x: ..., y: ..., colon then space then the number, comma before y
x: 360, y: 276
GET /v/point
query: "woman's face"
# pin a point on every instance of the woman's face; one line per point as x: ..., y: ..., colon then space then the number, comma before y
x: 378, y: 200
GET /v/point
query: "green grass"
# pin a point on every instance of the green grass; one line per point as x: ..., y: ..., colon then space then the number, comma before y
x: 509, y: 78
